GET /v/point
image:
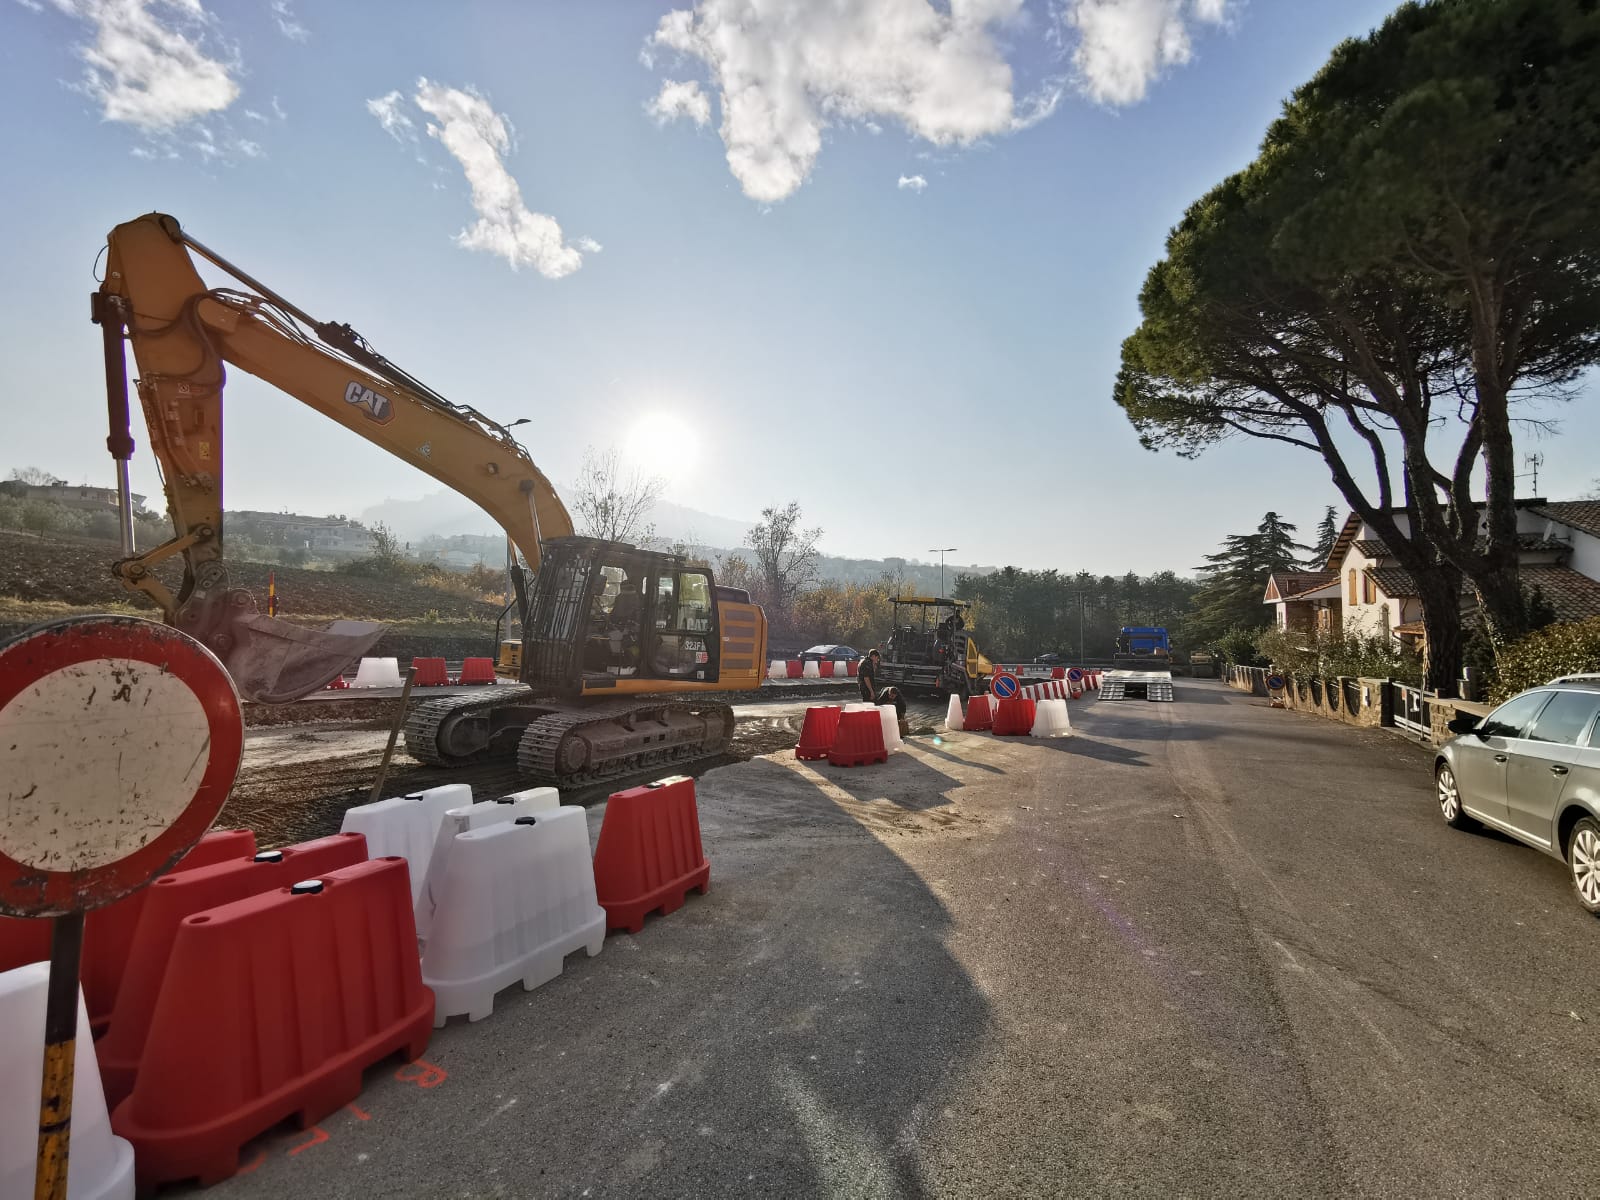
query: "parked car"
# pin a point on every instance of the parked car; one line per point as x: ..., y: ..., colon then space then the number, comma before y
x: 836, y: 653
x: 1531, y: 769
x: 1053, y: 659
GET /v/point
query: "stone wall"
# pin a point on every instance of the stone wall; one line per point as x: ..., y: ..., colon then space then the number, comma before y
x: 1367, y: 703
x: 1362, y: 702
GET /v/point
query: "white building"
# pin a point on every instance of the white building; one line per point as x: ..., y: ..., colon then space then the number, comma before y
x: 1366, y: 592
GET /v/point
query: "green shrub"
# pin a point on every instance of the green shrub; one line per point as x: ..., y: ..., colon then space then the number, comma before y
x: 1240, y: 647
x: 1571, y: 648
x: 1315, y: 654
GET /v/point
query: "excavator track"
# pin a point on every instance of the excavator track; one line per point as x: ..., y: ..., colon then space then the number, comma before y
x: 563, y: 744
x: 429, y: 727
x: 615, y: 738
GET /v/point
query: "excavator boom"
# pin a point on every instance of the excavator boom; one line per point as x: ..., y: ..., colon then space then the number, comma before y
x: 184, y: 335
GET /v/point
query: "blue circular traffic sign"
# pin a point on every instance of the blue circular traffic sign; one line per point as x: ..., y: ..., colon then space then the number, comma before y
x: 1003, y: 685
x: 1275, y: 683
x: 1075, y: 674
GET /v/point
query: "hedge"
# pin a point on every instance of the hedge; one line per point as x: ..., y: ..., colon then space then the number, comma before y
x: 1562, y: 649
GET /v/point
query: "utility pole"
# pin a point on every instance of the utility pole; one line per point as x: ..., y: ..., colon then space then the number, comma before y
x: 941, y: 554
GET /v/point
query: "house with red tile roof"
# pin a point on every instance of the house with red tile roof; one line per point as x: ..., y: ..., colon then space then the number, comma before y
x: 1364, y: 591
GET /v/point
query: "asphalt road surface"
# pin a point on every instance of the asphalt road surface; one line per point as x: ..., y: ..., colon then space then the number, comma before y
x: 1202, y: 948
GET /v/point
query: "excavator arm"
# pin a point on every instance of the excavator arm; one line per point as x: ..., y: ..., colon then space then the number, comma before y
x: 183, y: 336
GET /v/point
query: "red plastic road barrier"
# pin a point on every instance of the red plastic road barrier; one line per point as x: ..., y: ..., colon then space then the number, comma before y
x: 477, y: 670
x: 794, y: 668
x: 108, y: 931
x: 859, y: 740
x: 338, y: 683
x: 172, y: 899
x: 1014, y: 717
x: 854, y: 666
x: 272, y: 1008
x: 825, y: 668
x: 649, y: 855
x: 979, y: 716
x: 430, y: 673
x: 1058, y: 672
x: 817, y: 734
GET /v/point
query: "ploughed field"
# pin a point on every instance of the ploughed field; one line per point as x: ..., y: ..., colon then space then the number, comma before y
x: 48, y: 575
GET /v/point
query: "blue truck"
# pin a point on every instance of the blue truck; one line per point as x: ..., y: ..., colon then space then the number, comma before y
x: 1142, y: 665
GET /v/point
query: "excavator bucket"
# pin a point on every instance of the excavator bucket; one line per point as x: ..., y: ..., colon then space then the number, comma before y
x: 274, y: 662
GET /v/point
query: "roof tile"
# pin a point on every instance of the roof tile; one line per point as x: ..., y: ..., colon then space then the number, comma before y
x: 1580, y: 514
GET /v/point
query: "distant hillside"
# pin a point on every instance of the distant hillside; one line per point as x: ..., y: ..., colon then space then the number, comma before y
x: 443, y: 526
x: 445, y: 514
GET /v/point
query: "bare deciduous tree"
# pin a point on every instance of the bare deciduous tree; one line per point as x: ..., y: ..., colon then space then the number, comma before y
x: 36, y: 476
x: 786, y: 559
x: 613, y: 504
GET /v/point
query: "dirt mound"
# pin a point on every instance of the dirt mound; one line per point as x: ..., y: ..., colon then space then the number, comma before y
x: 77, y: 571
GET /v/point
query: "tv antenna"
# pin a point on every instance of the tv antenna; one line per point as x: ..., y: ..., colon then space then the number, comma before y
x: 1533, y: 462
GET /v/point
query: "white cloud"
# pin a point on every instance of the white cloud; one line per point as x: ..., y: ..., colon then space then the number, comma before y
x: 146, y: 66
x: 588, y: 245
x: 912, y: 183
x: 1124, y: 45
x: 478, y: 138
x: 676, y: 100
x: 288, y: 24
x: 395, y: 122
x: 32, y: 5
x: 787, y: 70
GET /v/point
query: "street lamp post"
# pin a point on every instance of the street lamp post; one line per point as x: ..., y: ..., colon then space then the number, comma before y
x: 1081, y: 606
x: 941, y: 554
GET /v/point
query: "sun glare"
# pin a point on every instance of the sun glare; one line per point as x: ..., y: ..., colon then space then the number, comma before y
x: 661, y: 443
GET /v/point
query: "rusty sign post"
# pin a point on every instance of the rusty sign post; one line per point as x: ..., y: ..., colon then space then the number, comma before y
x: 119, y: 741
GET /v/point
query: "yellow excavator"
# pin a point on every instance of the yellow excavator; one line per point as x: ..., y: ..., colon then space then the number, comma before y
x: 625, y: 653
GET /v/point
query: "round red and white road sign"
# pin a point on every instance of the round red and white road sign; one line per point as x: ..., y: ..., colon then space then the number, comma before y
x: 119, y: 741
x: 1004, y: 685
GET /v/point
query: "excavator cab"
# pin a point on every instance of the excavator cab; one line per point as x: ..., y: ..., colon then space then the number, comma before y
x: 609, y: 617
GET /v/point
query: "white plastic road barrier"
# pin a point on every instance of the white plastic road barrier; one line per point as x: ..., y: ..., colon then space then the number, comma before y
x: 777, y: 669
x: 406, y: 826
x: 890, y: 716
x: 377, y: 673
x: 994, y: 704
x: 473, y: 816
x: 811, y: 670
x: 514, y: 901
x: 955, y: 717
x: 101, y: 1166
x: 860, y: 706
x: 1050, y: 719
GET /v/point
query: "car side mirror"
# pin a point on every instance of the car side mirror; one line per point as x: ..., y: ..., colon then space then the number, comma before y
x: 1466, y: 723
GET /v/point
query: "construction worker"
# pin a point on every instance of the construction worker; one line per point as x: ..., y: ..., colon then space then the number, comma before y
x: 867, y: 676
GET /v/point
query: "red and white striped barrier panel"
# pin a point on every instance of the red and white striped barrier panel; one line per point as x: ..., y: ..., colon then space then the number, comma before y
x: 1051, y: 689
x: 827, y: 668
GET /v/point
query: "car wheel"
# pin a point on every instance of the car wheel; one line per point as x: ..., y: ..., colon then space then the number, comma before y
x: 1583, y: 858
x: 1449, y: 794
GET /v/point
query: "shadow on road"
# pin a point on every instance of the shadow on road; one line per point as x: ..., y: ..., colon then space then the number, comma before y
x: 1087, y: 747
x: 789, y: 1033
x: 904, y: 781
x: 927, y: 747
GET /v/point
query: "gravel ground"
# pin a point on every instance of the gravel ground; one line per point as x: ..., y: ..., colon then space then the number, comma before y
x: 296, y: 780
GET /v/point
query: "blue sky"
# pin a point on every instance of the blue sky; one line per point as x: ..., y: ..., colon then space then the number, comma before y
x: 917, y: 365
